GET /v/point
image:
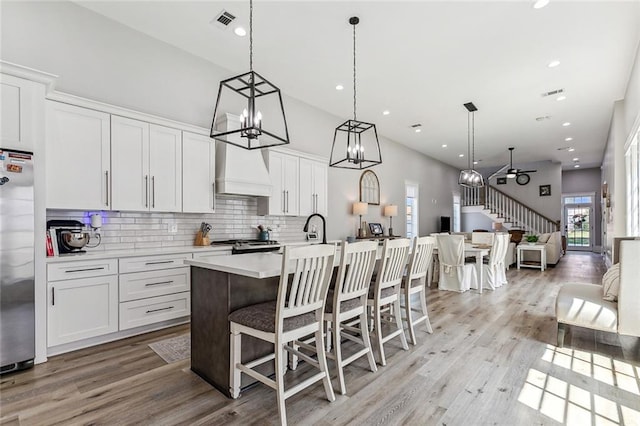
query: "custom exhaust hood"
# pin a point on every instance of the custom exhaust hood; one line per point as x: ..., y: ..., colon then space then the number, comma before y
x: 239, y: 171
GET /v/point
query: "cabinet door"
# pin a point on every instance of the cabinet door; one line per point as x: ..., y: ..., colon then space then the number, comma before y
x: 291, y: 185
x: 17, y: 105
x: 165, y: 169
x: 276, y: 172
x: 82, y: 308
x: 307, y: 193
x: 129, y: 164
x: 320, y: 184
x: 78, y: 157
x: 198, y: 173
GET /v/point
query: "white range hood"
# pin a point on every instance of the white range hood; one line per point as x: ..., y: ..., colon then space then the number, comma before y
x: 239, y: 171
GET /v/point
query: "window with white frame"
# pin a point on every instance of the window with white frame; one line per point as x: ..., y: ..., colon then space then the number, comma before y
x: 456, y: 212
x: 411, y: 209
x: 632, y: 160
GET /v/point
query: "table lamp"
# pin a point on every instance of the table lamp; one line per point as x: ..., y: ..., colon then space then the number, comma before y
x: 360, y: 209
x: 390, y: 211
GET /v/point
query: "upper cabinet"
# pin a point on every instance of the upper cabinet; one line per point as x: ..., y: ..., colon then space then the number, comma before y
x: 198, y: 173
x: 146, y: 166
x: 78, y: 157
x: 313, y: 187
x: 284, y: 173
x: 18, y: 97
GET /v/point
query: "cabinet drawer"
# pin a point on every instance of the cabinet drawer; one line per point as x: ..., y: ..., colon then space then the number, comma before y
x: 81, y: 269
x: 155, y: 309
x: 152, y: 263
x: 140, y: 285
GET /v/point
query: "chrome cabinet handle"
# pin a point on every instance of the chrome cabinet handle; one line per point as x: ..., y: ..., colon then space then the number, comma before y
x: 153, y: 192
x: 83, y: 270
x: 284, y: 200
x: 159, y: 262
x: 287, y: 202
x: 158, y: 310
x: 53, y: 296
x: 146, y: 190
x: 158, y: 283
x: 107, y: 187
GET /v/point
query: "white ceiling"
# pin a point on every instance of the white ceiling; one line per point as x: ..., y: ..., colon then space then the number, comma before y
x: 422, y: 60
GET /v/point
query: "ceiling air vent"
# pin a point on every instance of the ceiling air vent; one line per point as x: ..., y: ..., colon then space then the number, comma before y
x: 553, y: 92
x: 223, y: 19
x: 415, y: 126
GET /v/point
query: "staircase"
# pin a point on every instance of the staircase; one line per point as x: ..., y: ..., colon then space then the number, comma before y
x: 502, y: 208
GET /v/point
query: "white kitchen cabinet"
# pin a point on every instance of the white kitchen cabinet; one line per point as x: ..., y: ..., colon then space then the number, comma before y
x: 313, y: 187
x: 198, y: 173
x: 18, y: 98
x: 284, y: 173
x: 81, y: 308
x: 78, y: 157
x: 146, y: 166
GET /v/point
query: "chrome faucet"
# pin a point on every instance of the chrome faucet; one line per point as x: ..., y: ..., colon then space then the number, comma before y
x: 324, y: 226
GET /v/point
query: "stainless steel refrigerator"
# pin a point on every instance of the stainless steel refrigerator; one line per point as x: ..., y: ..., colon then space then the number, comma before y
x: 17, y: 313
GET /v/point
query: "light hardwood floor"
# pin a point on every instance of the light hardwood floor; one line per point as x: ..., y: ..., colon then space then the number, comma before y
x: 490, y: 360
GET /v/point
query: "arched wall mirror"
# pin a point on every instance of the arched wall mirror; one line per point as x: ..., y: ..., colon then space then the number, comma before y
x: 369, y: 188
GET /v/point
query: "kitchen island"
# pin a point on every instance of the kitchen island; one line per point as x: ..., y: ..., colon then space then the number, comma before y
x: 219, y: 286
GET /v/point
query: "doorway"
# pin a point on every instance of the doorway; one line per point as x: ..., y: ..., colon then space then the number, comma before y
x: 578, y: 221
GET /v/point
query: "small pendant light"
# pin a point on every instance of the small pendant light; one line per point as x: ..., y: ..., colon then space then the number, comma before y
x: 262, y: 121
x: 470, y: 177
x: 355, y: 143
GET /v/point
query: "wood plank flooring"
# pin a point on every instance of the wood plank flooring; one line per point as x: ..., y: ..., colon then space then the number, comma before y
x: 490, y: 360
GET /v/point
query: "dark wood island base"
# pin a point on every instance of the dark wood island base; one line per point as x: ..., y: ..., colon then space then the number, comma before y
x: 214, y: 295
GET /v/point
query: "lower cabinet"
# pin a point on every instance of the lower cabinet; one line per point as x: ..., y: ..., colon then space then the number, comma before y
x: 81, y: 308
x: 149, y: 294
x: 87, y: 299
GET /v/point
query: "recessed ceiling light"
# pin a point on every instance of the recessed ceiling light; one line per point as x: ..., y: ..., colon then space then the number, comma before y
x: 240, y: 31
x: 386, y: 112
x: 577, y: 166
x: 566, y: 124
x: 553, y: 64
x: 576, y: 159
x: 568, y: 139
x: 339, y: 87
x: 418, y: 130
x: 539, y: 4
x: 461, y: 155
x: 571, y: 149
x: 475, y: 162
x: 561, y: 98
x: 444, y: 146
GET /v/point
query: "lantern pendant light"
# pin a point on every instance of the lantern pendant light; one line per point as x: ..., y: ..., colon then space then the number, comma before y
x: 262, y: 122
x: 470, y: 177
x: 355, y: 143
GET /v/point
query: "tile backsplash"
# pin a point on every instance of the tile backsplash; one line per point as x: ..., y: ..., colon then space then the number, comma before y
x: 235, y: 218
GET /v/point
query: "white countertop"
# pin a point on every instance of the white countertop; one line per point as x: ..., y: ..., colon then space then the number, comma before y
x: 255, y: 265
x: 96, y: 255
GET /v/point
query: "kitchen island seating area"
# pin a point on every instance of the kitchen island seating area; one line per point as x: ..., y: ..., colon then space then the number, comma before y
x: 297, y: 312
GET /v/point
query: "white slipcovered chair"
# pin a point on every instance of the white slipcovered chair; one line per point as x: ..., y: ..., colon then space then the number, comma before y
x: 493, y: 270
x: 454, y: 275
x: 583, y: 304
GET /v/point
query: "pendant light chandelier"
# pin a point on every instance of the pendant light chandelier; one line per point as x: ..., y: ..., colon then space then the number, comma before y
x: 470, y: 177
x: 262, y: 122
x: 355, y: 143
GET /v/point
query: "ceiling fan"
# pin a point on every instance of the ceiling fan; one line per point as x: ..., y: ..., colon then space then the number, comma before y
x: 514, y: 172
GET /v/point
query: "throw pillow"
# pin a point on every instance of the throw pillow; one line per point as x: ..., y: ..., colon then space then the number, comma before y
x: 543, y: 238
x: 611, y: 283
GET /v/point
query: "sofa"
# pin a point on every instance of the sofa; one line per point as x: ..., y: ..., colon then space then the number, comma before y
x: 553, y: 244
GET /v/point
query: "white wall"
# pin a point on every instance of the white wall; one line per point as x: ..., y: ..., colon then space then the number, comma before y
x: 475, y: 220
x: 103, y: 60
x: 626, y: 114
x: 548, y: 173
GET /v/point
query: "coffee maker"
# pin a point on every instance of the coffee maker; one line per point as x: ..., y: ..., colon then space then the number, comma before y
x: 71, y: 235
